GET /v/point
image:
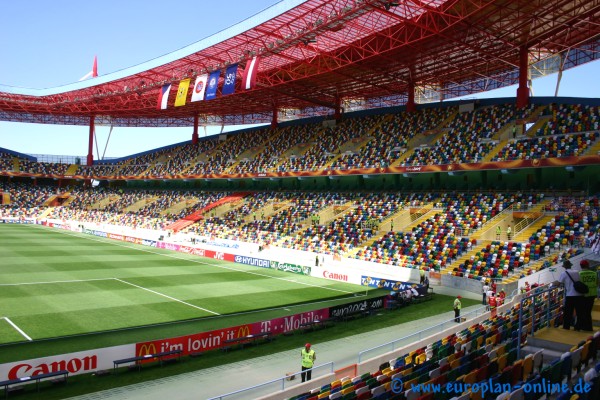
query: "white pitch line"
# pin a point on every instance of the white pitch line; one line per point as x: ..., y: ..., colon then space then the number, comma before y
x: 164, y: 295
x: 51, y: 282
x: 197, y: 261
x: 17, y: 328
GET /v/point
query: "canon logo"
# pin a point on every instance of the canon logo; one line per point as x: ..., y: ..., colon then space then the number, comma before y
x: 74, y: 365
x: 336, y: 276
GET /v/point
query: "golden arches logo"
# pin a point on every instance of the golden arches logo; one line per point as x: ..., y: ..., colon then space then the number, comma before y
x: 145, y: 349
x: 243, y: 331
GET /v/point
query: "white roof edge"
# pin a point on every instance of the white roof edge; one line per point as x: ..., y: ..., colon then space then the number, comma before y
x: 257, y: 19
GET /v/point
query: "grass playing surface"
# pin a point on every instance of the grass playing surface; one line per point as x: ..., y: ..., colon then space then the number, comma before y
x: 56, y: 283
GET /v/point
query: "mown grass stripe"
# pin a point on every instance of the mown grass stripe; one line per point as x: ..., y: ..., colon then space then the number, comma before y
x: 168, y: 297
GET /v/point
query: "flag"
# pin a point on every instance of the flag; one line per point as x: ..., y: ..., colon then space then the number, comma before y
x: 94, y: 72
x: 95, y: 67
x: 249, y: 77
x: 182, y: 92
x: 229, y: 84
x: 213, y: 84
x: 199, y: 88
x: 163, y: 97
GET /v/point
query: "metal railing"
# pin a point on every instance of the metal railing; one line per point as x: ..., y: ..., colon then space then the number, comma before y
x: 415, y: 337
x: 274, y: 385
x: 544, y: 304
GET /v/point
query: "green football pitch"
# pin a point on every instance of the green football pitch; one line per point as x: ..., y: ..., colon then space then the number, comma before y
x: 57, y: 283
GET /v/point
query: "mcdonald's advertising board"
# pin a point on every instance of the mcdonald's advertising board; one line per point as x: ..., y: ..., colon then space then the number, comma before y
x: 217, y: 339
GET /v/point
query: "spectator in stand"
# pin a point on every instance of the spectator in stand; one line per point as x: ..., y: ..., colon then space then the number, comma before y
x: 573, y: 299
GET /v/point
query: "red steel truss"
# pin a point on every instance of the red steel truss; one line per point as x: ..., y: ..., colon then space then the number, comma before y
x: 327, y: 52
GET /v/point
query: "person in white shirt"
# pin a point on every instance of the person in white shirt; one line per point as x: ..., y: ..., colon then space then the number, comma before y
x: 572, y: 297
x: 484, y: 291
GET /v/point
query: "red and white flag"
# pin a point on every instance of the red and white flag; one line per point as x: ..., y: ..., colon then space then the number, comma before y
x: 94, y: 72
x: 199, y: 88
x: 163, y: 97
x: 249, y: 77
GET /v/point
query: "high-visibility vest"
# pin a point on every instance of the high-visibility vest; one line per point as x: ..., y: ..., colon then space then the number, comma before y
x: 457, y: 304
x: 591, y: 280
x: 308, y: 358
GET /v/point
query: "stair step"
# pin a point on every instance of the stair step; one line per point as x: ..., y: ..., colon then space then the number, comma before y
x: 549, y: 354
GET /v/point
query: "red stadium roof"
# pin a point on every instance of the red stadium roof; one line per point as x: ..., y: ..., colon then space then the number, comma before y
x: 350, y: 52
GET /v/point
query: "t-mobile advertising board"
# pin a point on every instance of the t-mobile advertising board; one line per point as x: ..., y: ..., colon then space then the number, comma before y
x: 216, y: 339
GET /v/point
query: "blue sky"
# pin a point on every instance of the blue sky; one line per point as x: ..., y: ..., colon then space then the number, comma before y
x: 45, y: 44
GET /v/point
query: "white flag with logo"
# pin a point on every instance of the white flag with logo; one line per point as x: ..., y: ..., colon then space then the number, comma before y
x: 199, y: 88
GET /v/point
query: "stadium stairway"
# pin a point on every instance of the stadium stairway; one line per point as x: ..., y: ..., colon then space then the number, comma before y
x: 138, y: 205
x: 177, y: 207
x: 295, y: 151
x: 425, y: 138
x: 356, y: 144
x: 101, y: 204
x: 541, y: 121
x: 594, y: 149
x: 328, y: 214
x: 465, y: 256
x: 200, y: 158
x: 272, y: 209
x: 555, y: 341
x: 45, y: 213
x: 123, y: 165
x: 254, y: 152
x: 404, y: 221
x: 6, y: 198
x: 418, y: 216
x: 247, y: 155
x: 55, y: 200
x: 199, y: 214
x: 524, y: 234
x: 16, y: 164
x: 72, y: 169
x: 223, y: 209
x: 162, y: 159
x: 492, y: 154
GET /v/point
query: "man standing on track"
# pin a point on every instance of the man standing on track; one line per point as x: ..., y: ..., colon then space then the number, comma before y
x: 308, y: 360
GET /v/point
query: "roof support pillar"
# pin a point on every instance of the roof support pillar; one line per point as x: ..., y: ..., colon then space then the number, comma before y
x: 337, y: 114
x: 90, y: 155
x: 274, y: 118
x: 195, y: 133
x: 523, y: 90
x: 410, y: 103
